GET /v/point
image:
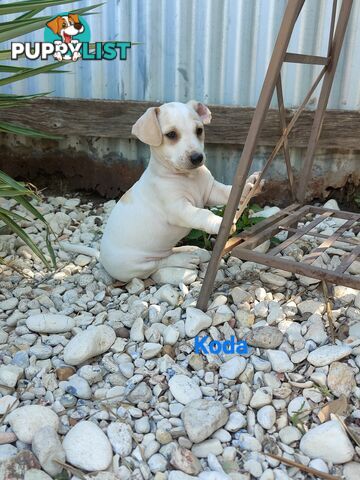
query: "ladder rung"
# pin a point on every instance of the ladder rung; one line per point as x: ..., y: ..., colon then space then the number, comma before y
x: 300, y: 58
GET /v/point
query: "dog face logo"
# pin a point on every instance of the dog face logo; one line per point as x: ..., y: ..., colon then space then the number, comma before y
x: 67, y: 32
x: 67, y: 26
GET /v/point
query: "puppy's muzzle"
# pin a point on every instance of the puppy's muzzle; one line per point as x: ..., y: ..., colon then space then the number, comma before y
x: 196, y: 159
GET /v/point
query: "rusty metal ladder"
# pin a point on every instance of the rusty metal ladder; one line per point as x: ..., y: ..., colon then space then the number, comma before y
x: 271, y: 83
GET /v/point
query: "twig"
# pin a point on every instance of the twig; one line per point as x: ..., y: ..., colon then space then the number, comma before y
x: 304, y: 468
x: 72, y: 470
x: 328, y: 310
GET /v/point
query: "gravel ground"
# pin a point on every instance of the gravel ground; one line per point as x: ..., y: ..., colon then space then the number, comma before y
x: 103, y: 377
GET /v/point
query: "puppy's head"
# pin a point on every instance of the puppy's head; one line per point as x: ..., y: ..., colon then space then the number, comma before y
x: 66, y: 26
x: 175, y: 133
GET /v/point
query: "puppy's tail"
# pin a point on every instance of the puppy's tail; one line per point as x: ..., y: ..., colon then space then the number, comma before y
x: 81, y: 249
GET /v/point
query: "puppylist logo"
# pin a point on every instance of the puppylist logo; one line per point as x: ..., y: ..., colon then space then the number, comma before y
x: 67, y: 37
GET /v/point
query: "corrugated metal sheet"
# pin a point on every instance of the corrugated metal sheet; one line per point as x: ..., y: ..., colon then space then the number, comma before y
x: 216, y: 51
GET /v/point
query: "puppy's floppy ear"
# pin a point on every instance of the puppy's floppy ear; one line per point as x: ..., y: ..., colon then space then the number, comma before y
x: 55, y: 24
x: 147, y: 128
x: 74, y: 17
x: 202, y: 110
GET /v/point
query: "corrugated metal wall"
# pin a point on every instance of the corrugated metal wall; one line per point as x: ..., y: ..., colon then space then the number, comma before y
x: 216, y: 51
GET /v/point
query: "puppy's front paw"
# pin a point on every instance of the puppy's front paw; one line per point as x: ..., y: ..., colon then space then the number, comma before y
x: 251, y: 187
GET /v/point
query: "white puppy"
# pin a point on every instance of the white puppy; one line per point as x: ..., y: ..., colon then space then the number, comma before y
x: 169, y: 199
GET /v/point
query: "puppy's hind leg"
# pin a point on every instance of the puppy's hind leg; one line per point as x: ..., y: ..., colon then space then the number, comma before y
x: 181, y: 259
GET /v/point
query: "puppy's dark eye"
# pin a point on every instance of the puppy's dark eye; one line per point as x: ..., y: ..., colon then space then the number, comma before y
x: 199, y: 131
x: 172, y: 135
x: 64, y: 25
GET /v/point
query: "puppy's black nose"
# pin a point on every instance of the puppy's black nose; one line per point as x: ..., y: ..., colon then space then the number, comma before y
x: 196, y: 158
x: 78, y: 26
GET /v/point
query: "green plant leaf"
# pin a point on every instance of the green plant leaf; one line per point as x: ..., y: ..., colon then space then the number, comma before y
x: 194, y: 235
x: 30, y: 73
x: 29, y: 132
x: 16, y: 7
x: 22, y: 27
x: 24, y: 237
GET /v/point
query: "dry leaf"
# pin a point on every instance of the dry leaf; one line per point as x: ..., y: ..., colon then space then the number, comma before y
x: 337, y: 406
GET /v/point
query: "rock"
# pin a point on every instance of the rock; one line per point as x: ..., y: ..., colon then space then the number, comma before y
x: 327, y: 354
x: 273, y: 279
x: 174, y: 276
x: 341, y: 379
x: 141, y: 393
x: 184, y: 389
x: 178, y: 475
x: 78, y: 387
x: 137, y: 330
x: 196, y: 320
x: 236, y: 422
x: 7, y: 451
x: 35, y: 474
x: 88, y: 344
x: 240, y: 295
x: 120, y: 437
x: 266, y: 213
x: 247, y: 442
x: 50, y: 323
x: 87, y: 447
x: 329, y: 442
x: 135, y: 286
x: 47, y: 447
x: 170, y: 335
x: 299, y: 406
x: 7, y: 404
x: 10, y: 374
x: 266, y: 416
x: 15, y: 468
x: 222, y: 315
x: 8, y: 304
x: 331, y: 204
x: 184, y: 460
x: 157, y: 463
x: 244, y: 318
x: 319, y: 464
x: 168, y: 294
x: 150, y: 350
x: 311, y: 306
x: 233, y: 368
x: 202, y: 418
x: 261, y: 397
x: 280, y: 361
x: 253, y: 467
x: 289, y: 435
x: 202, y: 450
x: 316, y: 330
x: 26, y: 421
x: 264, y: 337
x: 63, y: 373
x: 352, y: 471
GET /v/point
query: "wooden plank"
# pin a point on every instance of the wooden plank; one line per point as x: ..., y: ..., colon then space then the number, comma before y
x: 230, y: 124
x: 272, y: 229
x: 300, y: 232
x: 258, y: 227
x: 349, y: 240
x: 297, y: 267
x: 314, y: 254
x: 309, y: 59
x: 348, y: 260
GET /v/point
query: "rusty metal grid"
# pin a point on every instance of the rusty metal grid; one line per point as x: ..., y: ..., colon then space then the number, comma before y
x: 288, y: 220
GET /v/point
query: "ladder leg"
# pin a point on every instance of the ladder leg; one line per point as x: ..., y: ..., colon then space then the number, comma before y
x: 324, y: 97
x: 291, y: 13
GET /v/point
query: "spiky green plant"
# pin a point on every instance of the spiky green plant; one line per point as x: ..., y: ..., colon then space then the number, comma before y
x: 27, y: 21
